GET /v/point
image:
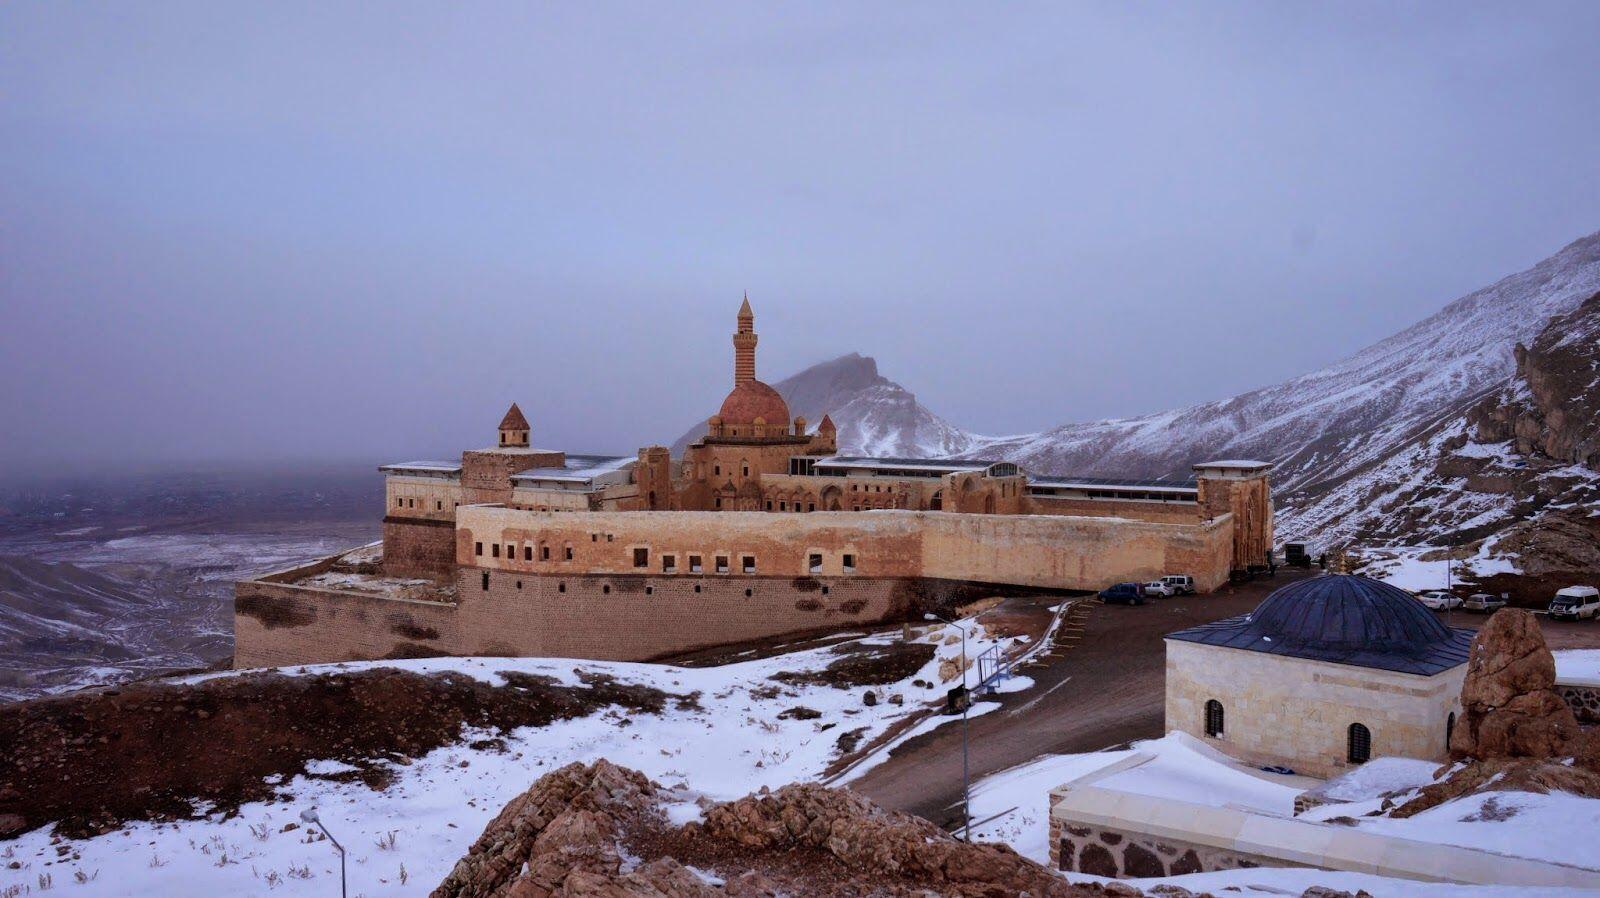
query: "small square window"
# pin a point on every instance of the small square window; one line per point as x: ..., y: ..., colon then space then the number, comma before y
x: 849, y: 562
x: 824, y: 590
x: 561, y: 587
x: 694, y: 564
x: 606, y: 589
x: 815, y: 562
x: 641, y: 557
x: 649, y: 590
x: 722, y: 564
x: 748, y: 562
x: 669, y: 563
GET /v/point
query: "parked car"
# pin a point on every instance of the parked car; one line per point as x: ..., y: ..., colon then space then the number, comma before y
x: 1159, y: 588
x: 1181, y: 584
x: 1439, y: 599
x: 1123, y: 594
x: 1483, y: 603
x: 1575, y: 603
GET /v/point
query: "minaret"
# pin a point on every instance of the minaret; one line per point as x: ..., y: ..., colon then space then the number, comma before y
x: 744, y: 345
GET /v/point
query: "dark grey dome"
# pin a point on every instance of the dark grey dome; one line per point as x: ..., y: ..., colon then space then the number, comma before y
x: 1342, y: 611
x: 1342, y: 619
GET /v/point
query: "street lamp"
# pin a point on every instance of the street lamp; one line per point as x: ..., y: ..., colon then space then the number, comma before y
x: 966, y: 701
x: 309, y: 815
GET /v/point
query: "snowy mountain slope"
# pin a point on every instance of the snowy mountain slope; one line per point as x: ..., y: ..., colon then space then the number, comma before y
x: 1324, y: 426
x: 875, y: 415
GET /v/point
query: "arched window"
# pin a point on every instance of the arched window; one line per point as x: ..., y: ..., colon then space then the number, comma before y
x: 1213, y: 718
x: 1360, y: 744
x: 1449, y: 729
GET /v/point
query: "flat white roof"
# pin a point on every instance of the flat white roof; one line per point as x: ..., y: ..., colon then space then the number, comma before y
x: 579, y: 468
x: 434, y: 467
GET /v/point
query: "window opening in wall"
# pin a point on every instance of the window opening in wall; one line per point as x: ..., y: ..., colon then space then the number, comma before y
x: 511, y: 552
x: 1213, y: 718
x: 815, y: 562
x: 606, y: 589
x: 544, y: 553
x: 569, y: 553
x: 824, y: 590
x: 1360, y: 740
x: 811, y: 506
x: 697, y: 587
x: 594, y: 537
x: 1449, y: 727
x: 519, y: 584
x: 719, y: 502
x: 649, y: 590
x: 694, y: 564
x: 749, y: 592
x: 722, y: 564
x: 849, y: 562
x: 561, y: 587
x: 669, y: 563
x: 717, y: 470
x: 438, y: 506
x: 641, y: 557
x: 399, y: 502
x: 783, y: 506
x: 477, y: 548
x: 495, y: 550
x: 749, y: 564
x: 609, y: 536
x: 486, y: 580
x: 527, y: 553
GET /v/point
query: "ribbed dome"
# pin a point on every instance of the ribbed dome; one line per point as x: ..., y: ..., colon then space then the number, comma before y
x: 1340, y: 611
x: 751, y: 400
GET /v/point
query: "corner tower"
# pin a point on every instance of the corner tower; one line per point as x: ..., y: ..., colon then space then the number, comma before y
x: 744, y: 345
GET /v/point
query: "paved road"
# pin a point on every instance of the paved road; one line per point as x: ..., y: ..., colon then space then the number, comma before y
x: 1102, y: 686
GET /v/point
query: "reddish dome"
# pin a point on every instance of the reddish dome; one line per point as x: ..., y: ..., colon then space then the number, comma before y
x: 751, y: 400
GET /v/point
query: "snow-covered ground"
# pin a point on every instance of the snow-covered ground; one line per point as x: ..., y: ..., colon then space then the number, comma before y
x: 402, y: 841
x: 1516, y: 823
x: 1578, y: 666
x: 1416, y: 568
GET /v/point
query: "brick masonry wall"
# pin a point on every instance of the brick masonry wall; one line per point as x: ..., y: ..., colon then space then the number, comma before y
x: 419, y: 548
x: 1031, y: 550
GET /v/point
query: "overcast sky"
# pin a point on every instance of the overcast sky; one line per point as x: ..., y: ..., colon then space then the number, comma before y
x: 275, y: 230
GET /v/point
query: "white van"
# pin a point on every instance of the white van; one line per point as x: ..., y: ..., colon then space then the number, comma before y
x: 1575, y: 602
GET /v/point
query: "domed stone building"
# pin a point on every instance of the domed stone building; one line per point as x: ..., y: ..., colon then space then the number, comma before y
x: 1323, y: 675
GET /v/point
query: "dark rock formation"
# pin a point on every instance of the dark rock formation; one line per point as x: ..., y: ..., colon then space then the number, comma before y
x: 1553, y: 405
x: 597, y: 830
x: 1510, y: 706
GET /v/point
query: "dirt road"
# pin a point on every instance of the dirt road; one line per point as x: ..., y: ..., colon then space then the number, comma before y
x: 1102, y: 686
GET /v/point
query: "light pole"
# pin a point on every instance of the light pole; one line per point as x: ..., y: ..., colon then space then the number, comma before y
x: 309, y: 815
x: 966, y: 701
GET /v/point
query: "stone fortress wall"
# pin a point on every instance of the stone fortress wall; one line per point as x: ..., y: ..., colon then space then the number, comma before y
x: 600, y: 605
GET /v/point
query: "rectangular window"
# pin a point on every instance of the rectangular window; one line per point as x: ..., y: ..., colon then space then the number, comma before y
x: 486, y: 580
x: 477, y: 548
x: 438, y: 505
x: 495, y: 550
x: 641, y: 557
x: 849, y: 562
x: 569, y: 553
x: 694, y: 564
x: 511, y: 552
x: 749, y: 564
x: 527, y: 553
x: 719, y: 501
x: 769, y: 505
x: 783, y: 506
x: 816, y: 562
x: 399, y: 502
x: 669, y: 563
x: 722, y: 564
x: 544, y: 553
x: 716, y: 469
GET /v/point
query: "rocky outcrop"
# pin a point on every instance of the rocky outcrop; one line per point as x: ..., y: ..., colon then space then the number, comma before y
x: 587, y: 831
x: 1552, y: 407
x: 1510, y: 706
